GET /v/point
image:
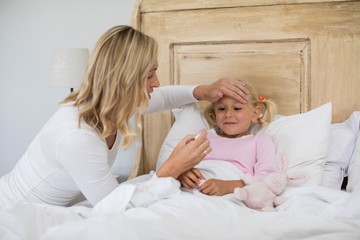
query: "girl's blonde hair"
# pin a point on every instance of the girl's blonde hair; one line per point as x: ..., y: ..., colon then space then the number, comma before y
x: 268, y: 109
x: 114, y: 88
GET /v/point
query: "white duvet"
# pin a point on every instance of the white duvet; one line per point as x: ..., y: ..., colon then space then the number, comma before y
x: 156, y: 208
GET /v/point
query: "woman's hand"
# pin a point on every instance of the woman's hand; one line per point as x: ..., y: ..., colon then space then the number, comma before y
x: 191, y: 179
x: 224, y: 86
x: 186, y: 155
x: 217, y: 187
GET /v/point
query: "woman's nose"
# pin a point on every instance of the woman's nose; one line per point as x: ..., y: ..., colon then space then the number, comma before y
x: 155, y: 82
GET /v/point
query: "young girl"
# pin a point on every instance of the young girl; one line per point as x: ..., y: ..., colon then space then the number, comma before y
x: 231, y: 140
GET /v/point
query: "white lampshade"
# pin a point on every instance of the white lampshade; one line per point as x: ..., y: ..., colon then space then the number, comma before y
x: 69, y: 67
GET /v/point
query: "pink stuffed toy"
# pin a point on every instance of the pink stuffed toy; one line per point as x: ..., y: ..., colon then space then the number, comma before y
x: 264, y: 194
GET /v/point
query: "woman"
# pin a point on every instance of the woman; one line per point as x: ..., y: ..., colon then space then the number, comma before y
x: 74, y: 151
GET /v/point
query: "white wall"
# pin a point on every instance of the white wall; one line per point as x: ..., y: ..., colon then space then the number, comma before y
x: 29, y: 31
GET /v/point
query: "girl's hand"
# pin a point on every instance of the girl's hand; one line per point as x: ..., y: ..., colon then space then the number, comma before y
x: 188, y: 153
x: 191, y: 179
x: 224, y: 86
x: 217, y: 187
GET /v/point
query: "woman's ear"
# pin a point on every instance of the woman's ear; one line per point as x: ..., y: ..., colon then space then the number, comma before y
x: 256, y: 114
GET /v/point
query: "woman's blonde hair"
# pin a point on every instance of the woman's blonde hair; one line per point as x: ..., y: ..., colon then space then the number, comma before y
x: 114, y: 88
x: 268, y: 109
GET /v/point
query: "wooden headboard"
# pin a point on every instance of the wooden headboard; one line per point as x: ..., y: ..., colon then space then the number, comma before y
x: 300, y: 53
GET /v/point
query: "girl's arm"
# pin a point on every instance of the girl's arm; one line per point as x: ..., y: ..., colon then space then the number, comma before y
x: 266, y: 156
x: 191, y: 179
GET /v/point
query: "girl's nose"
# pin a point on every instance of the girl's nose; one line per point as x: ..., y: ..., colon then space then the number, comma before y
x: 228, y: 113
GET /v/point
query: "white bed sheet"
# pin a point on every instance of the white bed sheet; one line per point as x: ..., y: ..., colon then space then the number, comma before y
x: 156, y: 208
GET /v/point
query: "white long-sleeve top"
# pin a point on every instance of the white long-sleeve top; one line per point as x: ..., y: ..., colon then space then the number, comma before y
x: 64, y: 160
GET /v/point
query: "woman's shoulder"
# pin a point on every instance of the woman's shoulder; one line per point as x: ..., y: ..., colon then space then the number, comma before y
x: 65, y: 121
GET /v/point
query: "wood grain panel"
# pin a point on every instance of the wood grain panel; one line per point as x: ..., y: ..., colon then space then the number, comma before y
x: 166, y: 5
x: 278, y: 70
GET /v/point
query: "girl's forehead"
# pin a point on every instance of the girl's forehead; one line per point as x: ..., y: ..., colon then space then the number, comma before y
x: 229, y: 100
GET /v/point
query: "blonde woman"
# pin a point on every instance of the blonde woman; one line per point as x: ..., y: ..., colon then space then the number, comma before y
x: 232, y: 141
x: 74, y: 151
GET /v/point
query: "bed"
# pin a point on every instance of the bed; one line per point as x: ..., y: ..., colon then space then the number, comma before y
x: 303, y: 54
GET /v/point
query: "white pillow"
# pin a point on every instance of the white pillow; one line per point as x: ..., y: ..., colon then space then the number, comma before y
x: 354, y: 167
x: 189, y: 120
x: 303, y: 137
x: 341, y: 147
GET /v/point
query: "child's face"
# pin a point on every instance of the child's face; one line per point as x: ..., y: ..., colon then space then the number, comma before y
x: 235, y: 118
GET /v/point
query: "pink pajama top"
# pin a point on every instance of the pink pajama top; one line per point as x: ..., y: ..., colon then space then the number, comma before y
x: 254, y: 154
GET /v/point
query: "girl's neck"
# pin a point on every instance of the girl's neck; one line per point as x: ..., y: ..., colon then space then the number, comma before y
x: 222, y: 134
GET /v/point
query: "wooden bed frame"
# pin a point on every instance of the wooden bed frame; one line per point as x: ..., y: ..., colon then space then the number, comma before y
x: 300, y: 53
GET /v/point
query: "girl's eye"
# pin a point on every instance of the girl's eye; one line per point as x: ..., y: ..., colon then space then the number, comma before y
x: 237, y: 108
x: 150, y: 76
x: 221, y: 109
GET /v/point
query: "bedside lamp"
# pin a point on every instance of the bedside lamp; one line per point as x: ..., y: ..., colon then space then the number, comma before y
x: 69, y: 67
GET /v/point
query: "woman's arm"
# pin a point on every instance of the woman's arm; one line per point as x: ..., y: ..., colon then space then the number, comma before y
x: 174, y: 96
x: 169, y: 97
x: 224, y: 86
x: 85, y: 158
x: 186, y: 155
